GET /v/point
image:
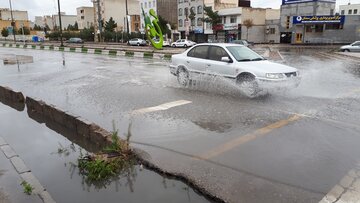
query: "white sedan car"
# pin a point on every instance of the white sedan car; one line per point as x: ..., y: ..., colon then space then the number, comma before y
x: 354, y: 47
x: 183, y: 43
x: 249, y: 70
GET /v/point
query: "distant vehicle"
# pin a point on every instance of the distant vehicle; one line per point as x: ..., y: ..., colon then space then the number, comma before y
x: 242, y: 42
x: 354, y: 47
x: 166, y: 43
x: 250, y: 71
x: 183, y: 43
x: 75, y: 40
x: 137, y: 42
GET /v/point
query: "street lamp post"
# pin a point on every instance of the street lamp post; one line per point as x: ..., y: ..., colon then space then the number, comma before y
x: 127, y: 20
x: 61, y: 35
x: 12, y: 21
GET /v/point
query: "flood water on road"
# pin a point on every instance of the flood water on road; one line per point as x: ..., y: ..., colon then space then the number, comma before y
x: 51, y: 157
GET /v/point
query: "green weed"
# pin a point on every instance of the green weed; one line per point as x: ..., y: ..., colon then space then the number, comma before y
x: 27, y: 187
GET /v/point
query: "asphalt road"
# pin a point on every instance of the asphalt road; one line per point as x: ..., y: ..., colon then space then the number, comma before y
x: 284, y: 147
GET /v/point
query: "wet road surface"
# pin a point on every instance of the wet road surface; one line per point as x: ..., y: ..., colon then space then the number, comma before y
x: 285, y: 147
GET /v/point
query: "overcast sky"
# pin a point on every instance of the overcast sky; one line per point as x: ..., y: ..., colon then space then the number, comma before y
x: 49, y: 7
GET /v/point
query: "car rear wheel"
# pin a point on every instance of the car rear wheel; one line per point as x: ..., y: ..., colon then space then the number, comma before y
x: 183, y: 77
x: 346, y: 50
x: 174, y: 46
x: 248, y: 85
x: 185, y: 46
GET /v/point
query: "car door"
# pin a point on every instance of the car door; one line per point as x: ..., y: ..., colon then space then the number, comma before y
x: 215, y: 66
x: 196, y: 59
x: 355, y: 47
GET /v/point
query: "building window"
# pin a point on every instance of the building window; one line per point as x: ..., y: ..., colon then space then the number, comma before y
x: 199, y: 10
x: 199, y: 22
x: 180, y: 23
x: 193, y: 22
x: 272, y: 30
x: 319, y: 28
x: 145, y: 4
x: 335, y: 26
x: 186, y: 12
x: 180, y: 1
x: 342, y: 12
x: 154, y: 4
x: 224, y: 20
x: 82, y: 17
x: 331, y: 12
x: 81, y: 11
x: 142, y: 6
x: 149, y: 4
x: 233, y: 19
x: 308, y: 28
x: 350, y: 12
x: 355, y: 11
x: 180, y: 12
x: 193, y: 9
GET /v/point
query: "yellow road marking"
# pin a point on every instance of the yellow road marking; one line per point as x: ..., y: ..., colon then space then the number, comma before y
x: 248, y: 137
x: 161, y: 107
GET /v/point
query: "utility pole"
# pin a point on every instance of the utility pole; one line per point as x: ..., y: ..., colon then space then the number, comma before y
x: 12, y: 21
x: 127, y: 19
x: 99, y: 27
x: 61, y: 35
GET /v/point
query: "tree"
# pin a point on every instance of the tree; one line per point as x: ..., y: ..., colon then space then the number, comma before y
x: 5, y: 33
x: 213, y: 18
x: 26, y: 31
x: 248, y: 23
x: 164, y: 25
x: 76, y: 26
x: 110, y: 25
x: 192, y: 18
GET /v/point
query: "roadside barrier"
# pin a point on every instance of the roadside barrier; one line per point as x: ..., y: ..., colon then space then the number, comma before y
x: 110, y: 52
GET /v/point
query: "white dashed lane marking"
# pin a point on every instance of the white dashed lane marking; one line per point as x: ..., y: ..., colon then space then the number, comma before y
x: 161, y: 107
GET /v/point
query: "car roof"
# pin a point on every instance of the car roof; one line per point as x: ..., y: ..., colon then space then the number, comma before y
x: 221, y: 44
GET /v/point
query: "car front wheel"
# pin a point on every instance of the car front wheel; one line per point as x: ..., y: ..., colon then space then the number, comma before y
x: 185, y: 46
x: 183, y: 77
x: 248, y: 85
x: 346, y: 50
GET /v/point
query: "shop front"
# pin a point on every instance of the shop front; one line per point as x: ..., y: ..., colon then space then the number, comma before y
x: 312, y: 29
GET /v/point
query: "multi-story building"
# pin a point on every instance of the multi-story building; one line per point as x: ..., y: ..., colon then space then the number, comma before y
x: 117, y: 10
x: 85, y: 17
x: 39, y: 20
x: 294, y: 30
x: 20, y: 18
x: 350, y: 9
x: 264, y: 26
x: 66, y: 20
x: 190, y: 14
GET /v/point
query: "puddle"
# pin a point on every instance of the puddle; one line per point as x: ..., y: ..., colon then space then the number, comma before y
x: 51, y: 153
x: 16, y: 59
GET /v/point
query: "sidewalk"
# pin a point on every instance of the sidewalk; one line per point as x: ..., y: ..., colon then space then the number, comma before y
x: 351, y: 54
x: 12, y: 172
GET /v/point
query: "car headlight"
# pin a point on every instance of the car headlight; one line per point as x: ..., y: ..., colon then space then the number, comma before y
x: 274, y: 75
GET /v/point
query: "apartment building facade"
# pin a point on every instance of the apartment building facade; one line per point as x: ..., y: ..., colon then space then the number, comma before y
x: 20, y: 18
x: 85, y: 17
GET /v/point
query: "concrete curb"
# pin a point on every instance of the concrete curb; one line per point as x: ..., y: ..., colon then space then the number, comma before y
x: 96, y: 135
x: 24, y: 172
x: 109, y: 52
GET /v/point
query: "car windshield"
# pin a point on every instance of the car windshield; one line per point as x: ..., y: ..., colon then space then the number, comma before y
x: 242, y: 53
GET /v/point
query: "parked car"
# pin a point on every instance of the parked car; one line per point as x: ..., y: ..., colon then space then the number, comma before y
x: 137, y: 42
x: 183, y: 43
x: 166, y: 43
x: 242, y: 42
x: 246, y: 68
x: 75, y: 40
x: 354, y: 47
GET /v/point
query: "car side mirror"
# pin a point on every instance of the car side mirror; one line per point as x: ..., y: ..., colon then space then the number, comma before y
x: 226, y: 59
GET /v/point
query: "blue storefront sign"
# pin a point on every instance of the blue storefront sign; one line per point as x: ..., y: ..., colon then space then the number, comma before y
x: 318, y: 19
x: 285, y: 2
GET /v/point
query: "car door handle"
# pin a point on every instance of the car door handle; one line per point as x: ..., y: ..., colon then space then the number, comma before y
x: 208, y: 65
x: 187, y: 61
